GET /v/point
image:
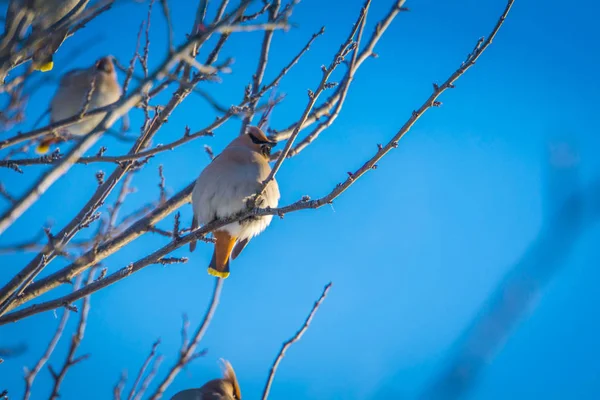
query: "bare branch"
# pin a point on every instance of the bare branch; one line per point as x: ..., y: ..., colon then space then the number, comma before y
x: 167, y: 14
x: 118, y: 389
x: 75, y: 342
x: 155, y: 365
x: 338, y: 106
x: 138, y: 379
x: 4, y: 193
x: 30, y: 375
x: 143, y: 225
x: 367, y: 52
x: 337, y: 60
x: 565, y: 223
x: 118, y: 110
x: 11, y: 290
x: 262, y: 62
x: 187, y: 354
x: 94, y: 256
x: 293, y: 340
x: 114, y: 212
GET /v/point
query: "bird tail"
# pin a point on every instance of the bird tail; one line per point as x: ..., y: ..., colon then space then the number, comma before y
x: 44, y: 66
x: 219, y: 265
x: 44, y: 145
x: 43, y: 61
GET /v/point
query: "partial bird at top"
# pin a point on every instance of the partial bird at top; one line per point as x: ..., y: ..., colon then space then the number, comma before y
x: 226, y: 388
x: 45, y: 13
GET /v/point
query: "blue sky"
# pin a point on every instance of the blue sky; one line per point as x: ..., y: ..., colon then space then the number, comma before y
x: 413, y: 248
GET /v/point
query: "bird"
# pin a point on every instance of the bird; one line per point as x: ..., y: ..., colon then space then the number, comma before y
x: 224, y: 188
x: 72, y: 94
x: 45, y: 14
x: 226, y: 388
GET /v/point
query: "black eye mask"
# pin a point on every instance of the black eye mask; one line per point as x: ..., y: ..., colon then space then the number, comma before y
x: 256, y: 140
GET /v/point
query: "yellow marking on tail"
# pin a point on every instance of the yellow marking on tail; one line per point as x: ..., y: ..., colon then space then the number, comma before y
x: 45, y: 67
x: 42, y: 148
x: 218, y: 274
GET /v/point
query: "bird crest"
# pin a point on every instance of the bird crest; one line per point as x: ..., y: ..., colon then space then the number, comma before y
x: 229, y: 375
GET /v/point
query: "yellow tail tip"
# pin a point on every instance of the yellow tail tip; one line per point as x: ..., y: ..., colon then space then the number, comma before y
x: 218, y: 274
x: 45, y: 67
x: 42, y: 148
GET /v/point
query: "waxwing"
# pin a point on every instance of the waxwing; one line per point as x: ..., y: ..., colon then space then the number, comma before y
x: 226, y: 388
x: 72, y: 94
x: 46, y: 13
x: 223, y: 189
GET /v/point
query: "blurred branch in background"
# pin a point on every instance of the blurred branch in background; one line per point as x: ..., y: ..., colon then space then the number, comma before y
x: 11, y: 351
x: 572, y: 209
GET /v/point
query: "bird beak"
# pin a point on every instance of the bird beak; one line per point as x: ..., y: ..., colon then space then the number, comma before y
x: 105, y: 64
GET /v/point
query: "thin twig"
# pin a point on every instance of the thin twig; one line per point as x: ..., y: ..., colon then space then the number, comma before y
x: 368, y: 52
x: 94, y: 256
x: 30, y: 375
x: 146, y: 383
x: 11, y: 290
x: 138, y: 228
x: 118, y: 110
x: 338, y: 107
x: 4, y: 193
x: 145, y: 365
x: 188, y: 353
x: 118, y: 388
x: 293, y: 340
x: 167, y: 14
x: 75, y: 342
x: 273, y: 8
x: 327, y: 71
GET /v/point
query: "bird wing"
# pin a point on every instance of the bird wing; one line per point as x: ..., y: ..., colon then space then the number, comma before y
x: 223, y: 187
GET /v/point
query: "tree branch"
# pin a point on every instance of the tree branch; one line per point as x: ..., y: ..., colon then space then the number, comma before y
x: 75, y: 342
x: 303, y: 203
x: 293, y: 340
x: 188, y: 350
x: 10, y: 291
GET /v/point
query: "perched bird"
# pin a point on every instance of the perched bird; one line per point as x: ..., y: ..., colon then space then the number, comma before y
x: 99, y: 80
x: 45, y: 13
x: 224, y: 187
x: 226, y: 388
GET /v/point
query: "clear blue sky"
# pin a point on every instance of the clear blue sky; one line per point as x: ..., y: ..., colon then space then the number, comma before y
x: 413, y: 248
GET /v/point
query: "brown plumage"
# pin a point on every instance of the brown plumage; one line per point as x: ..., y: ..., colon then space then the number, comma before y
x: 223, y: 189
x: 46, y: 13
x: 226, y: 388
x: 71, y: 97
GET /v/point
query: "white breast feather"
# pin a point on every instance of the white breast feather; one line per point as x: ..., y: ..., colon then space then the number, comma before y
x: 69, y: 101
x: 221, y: 191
